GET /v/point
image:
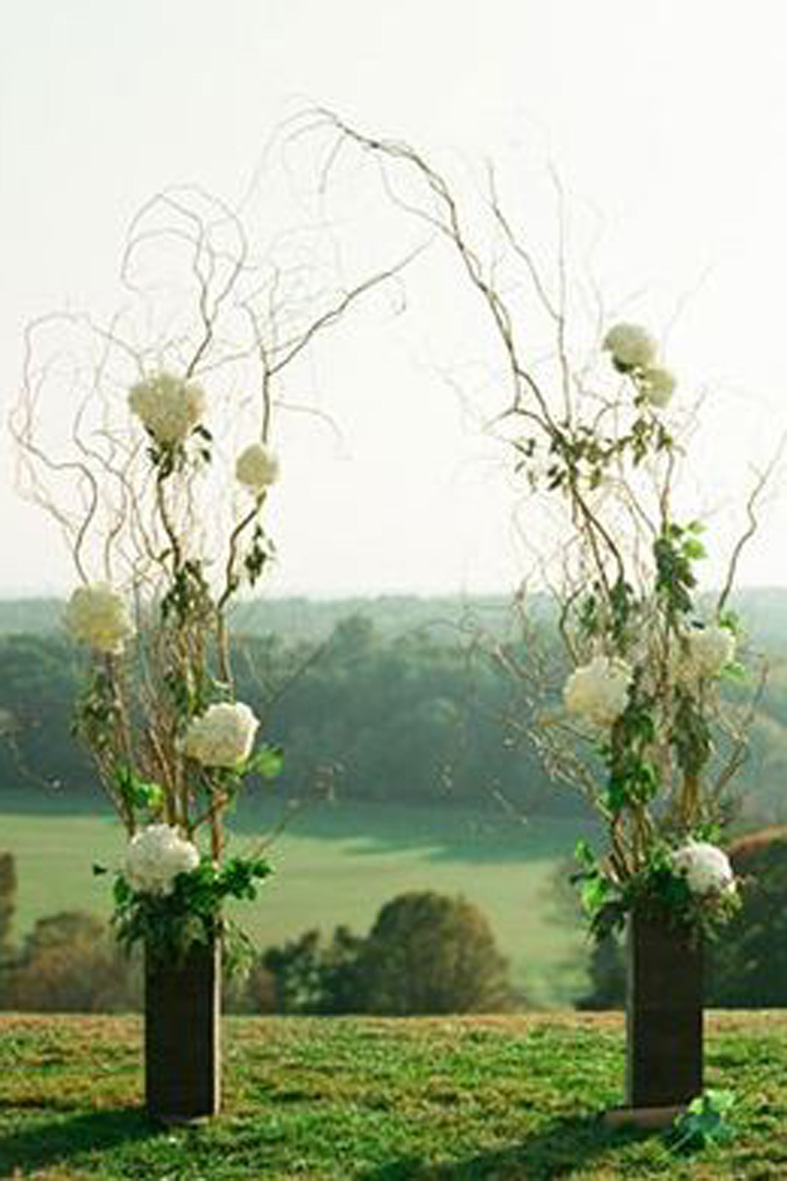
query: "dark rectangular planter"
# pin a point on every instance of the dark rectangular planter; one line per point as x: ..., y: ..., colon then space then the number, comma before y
x: 182, y: 1044
x: 663, y: 1013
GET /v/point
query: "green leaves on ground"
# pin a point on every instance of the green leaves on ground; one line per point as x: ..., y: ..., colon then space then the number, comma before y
x: 705, y: 1122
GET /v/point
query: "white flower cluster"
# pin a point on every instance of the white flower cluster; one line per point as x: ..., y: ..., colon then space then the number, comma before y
x: 169, y: 407
x: 223, y: 736
x: 709, y: 650
x: 598, y: 691
x: 257, y: 468
x: 155, y: 856
x: 631, y: 346
x: 634, y: 352
x: 706, y: 868
x: 98, y: 615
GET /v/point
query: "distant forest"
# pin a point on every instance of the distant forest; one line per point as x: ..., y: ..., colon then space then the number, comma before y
x: 387, y: 699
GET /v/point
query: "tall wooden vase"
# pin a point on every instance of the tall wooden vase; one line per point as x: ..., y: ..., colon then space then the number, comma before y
x: 663, y: 1015
x: 182, y: 1036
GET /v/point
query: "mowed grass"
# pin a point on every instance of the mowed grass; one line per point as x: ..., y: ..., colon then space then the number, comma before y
x: 338, y: 864
x: 380, y: 1100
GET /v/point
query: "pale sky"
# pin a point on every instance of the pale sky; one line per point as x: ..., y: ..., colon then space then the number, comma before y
x: 667, y: 121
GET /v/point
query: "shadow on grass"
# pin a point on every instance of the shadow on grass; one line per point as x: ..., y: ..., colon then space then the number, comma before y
x: 553, y: 1151
x: 53, y: 1141
x: 434, y: 831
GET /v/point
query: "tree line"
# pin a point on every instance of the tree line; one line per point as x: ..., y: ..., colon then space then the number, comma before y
x: 411, y: 719
x: 415, y: 718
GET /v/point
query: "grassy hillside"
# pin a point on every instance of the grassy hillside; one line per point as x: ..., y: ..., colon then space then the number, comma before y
x: 504, y: 1098
x: 339, y: 864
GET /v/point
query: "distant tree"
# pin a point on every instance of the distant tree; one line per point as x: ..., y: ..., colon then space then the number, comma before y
x: 39, y: 676
x: 295, y: 971
x: 428, y: 953
x: 341, y: 977
x: 7, y: 901
x: 748, y: 964
x: 306, y: 975
x: 70, y: 963
x: 8, y: 883
x: 607, y: 970
x: 260, y: 990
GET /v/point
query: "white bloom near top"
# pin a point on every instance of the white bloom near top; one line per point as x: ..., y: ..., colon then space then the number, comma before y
x: 169, y: 407
x: 631, y: 346
x: 257, y: 468
x: 657, y: 386
x: 155, y: 856
x: 706, y: 868
x: 709, y: 650
x: 598, y: 692
x: 98, y: 615
x: 223, y: 736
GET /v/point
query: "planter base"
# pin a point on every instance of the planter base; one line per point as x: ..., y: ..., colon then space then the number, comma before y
x: 182, y: 1055
x: 643, y: 1117
x: 180, y: 1121
x: 663, y: 1015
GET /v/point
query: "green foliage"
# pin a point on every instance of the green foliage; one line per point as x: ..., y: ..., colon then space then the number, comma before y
x: 615, y: 612
x: 633, y: 779
x: 705, y: 1122
x: 191, y: 914
x: 137, y: 793
x: 747, y: 962
x: 261, y: 550
x: 97, y: 715
x: 675, y: 551
x: 690, y: 735
x: 187, y: 600
x: 657, y: 886
x: 266, y: 761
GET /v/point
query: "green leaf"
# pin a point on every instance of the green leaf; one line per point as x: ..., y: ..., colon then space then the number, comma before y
x: 735, y: 671
x: 704, y: 1122
x: 267, y: 762
x: 584, y: 855
x: 694, y: 550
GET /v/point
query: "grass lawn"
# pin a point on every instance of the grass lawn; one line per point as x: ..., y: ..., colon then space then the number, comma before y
x: 382, y: 1100
x: 339, y: 864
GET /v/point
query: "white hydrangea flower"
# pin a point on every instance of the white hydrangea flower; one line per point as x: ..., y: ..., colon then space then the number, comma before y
x: 169, y: 407
x: 657, y: 386
x: 223, y: 736
x: 155, y: 856
x: 598, y: 692
x: 257, y: 467
x: 631, y: 346
x: 709, y: 650
x: 98, y: 615
x: 707, y: 869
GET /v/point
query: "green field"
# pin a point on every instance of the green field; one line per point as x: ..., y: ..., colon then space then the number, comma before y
x: 338, y: 864
x: 455, y: 1099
